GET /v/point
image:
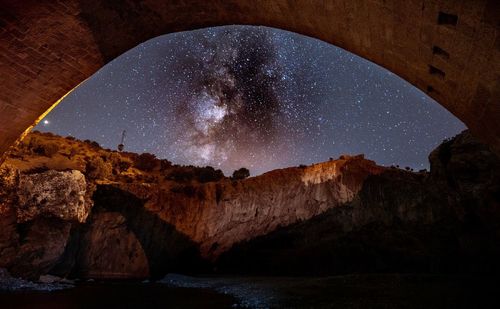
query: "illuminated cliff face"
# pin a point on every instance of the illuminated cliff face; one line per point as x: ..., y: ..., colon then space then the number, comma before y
x: 219, y: 214
x: 144, y: 223
x: 164, y: 217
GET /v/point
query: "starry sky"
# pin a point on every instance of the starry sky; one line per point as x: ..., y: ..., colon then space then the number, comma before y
x: 256, y: 97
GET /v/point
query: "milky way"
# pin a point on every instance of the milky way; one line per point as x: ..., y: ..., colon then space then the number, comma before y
x: 252, y: 96
x: 234, y: 104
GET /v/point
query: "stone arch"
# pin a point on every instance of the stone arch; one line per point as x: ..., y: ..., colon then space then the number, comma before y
x: 447, y: 48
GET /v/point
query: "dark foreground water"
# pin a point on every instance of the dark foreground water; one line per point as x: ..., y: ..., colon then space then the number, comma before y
x: 117, y: 295
x: 352, y: 291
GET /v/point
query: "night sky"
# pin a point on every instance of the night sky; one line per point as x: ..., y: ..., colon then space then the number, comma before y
x: 252, y: 96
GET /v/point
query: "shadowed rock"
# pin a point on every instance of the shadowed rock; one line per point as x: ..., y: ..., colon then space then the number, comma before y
x: 125, y: 240
x: 346, y: 215
x: 445, y: 221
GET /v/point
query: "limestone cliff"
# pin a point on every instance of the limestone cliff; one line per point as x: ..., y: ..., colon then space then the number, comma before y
x: 186, y: 209
x: 218, y: 214
x: 147, y: 217
x: 447, y: 220
x: 54, y: 194
x: 36, y: 215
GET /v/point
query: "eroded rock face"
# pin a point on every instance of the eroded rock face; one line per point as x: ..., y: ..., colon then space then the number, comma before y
x: 36, y: 217
x: 56, y: 194
x: 447, y: 220
x: 219, y: 214
x: 110, y: 250
x: 9, y: 178
x: 467, y: 166
x: 9, y: 237
x: 164, y: 247
x: 40, y: 247
x: 346, y: 215
x: 8, y: 220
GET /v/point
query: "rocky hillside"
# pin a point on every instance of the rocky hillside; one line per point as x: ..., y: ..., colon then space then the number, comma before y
x: 447, y: 221
x: 74, y: 209
x: 218, y: 214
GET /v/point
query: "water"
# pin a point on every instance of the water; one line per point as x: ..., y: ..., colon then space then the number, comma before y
x: 117, y: 295
x: 350, y: 291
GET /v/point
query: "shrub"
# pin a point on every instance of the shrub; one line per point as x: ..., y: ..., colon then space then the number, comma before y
x: 241, y: 173
x: 145, y: 162
x: 119, y: 163
x: 72, y: 152
x: 149, y: 179
x: 93, y: 144
x: 124, y: 165
x: 98, y: 169
x: 181, y: 174
x: 208, y: 173
x: 48, y: 150
x: 165, y: 165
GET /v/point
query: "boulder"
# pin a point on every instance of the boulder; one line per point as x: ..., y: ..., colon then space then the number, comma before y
x: 64, y: 195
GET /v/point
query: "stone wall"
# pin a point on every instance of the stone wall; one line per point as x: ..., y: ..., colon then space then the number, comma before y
x: 447, y: 48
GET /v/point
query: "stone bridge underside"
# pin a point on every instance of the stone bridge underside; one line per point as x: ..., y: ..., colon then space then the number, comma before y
x: 449, y: 49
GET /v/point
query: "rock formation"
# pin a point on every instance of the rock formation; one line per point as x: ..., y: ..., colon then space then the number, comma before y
x: 149, y: 218
x: 447, y: 220
x: 36, y: 216
x: 111, y: 250
x: 218, y: 214
x: 55, y: 194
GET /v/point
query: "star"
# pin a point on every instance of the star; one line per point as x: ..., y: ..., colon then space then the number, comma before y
x: 256, y: 97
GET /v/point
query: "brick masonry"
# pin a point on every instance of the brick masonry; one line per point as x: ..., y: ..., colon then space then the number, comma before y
x: 450, y: 49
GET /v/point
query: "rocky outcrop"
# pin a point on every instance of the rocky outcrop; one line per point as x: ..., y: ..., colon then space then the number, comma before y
x: 152, y: 247
x: 109, y: 249
x: 41, y: 244
x: 139, y: 230
x: 447, y: 220
x: 345, y: 215
x: 53, y: 194
x: 9, y: 236
x: 218, y: 214
x: 37, y: 216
